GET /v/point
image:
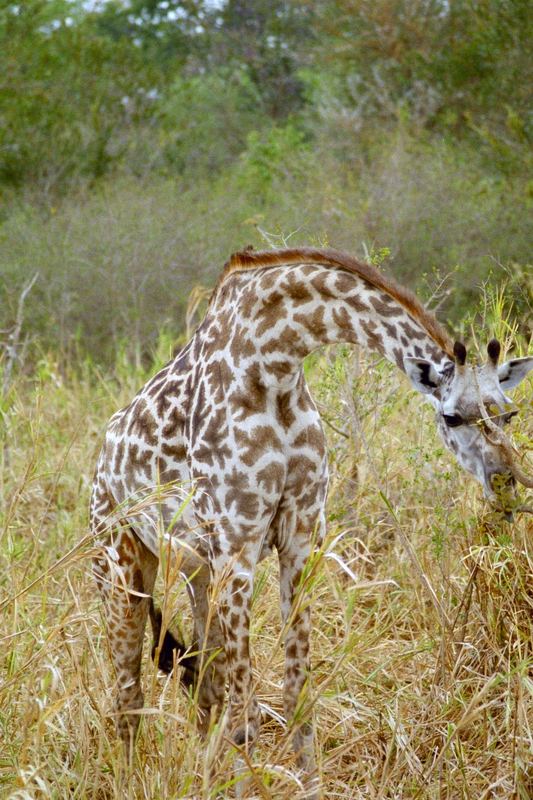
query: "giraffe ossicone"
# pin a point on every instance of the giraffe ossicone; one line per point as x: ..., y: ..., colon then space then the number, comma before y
x: 233, y: 415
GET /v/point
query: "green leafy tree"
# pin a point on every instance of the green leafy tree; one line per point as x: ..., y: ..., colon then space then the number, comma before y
x: 69, y: 94
x: 168, y: 32
x: 205, y: 119
x: 442, y: 62
x: 267, y: 37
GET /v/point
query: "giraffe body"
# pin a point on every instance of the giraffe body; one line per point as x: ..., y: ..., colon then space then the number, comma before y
x: 232, y: 416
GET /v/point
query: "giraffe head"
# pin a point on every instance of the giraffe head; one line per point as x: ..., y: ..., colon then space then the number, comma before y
x: 472, y: 410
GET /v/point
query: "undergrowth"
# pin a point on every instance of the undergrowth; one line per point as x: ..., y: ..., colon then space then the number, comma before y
x: 422, y: 659
x: 117, y: 260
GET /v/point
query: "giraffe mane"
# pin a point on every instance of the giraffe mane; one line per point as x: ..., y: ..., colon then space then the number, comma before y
x: 250, y: 259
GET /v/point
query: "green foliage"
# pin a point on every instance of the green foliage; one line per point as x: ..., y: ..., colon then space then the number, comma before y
x: 441, y: 63
x: 140, y: 143
x: 164, y: 30
x: 271, y: 37
x: 278, y: 154
x: 69, y: 94
x: 205, y: 120
x: 118, y: 262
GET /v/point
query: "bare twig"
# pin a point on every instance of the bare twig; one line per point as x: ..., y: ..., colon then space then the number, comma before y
x: 275, y: 240
x: 12, y: 354
x: 12, y: 345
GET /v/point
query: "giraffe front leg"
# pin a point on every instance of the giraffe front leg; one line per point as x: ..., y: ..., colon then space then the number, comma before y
x: 296, y: 616
x: 126, y: 571
x: 232, y: 586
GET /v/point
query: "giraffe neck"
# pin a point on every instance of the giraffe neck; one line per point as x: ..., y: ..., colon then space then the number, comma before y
x: 276, y: 317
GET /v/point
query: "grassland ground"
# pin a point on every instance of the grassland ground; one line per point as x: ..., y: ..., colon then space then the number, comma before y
x: 422, y: 644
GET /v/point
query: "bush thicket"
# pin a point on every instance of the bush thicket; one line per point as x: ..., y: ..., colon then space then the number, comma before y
x: 141, y: 142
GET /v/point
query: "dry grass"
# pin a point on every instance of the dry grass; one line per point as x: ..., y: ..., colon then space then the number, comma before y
x: 422, y: 657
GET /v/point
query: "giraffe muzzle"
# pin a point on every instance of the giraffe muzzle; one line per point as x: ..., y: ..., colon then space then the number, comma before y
x: 510, y: 456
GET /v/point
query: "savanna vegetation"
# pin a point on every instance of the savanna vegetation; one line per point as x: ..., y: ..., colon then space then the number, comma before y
x: 140, y: 143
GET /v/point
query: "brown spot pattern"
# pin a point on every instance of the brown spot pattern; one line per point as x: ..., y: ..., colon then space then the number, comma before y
x: 232, y: 413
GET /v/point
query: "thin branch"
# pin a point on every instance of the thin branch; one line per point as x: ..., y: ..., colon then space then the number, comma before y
x: 12, y: 344
x: 333, y: 428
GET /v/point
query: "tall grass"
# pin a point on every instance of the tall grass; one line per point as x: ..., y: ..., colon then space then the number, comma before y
x: 422, y: 654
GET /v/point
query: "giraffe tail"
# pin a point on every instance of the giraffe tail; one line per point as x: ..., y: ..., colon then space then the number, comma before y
x: 170, y: 645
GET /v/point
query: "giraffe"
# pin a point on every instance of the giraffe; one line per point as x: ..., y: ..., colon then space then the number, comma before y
x: 232, y: 415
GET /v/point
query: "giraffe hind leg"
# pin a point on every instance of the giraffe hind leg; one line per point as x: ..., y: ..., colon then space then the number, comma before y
x: 295, y: 609
x: 125, y: 574
x: 209, y: 641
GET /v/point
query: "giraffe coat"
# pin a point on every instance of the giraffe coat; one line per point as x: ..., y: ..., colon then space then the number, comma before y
x: 230, y: 424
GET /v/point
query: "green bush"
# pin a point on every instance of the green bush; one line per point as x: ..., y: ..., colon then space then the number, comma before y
x: 68, y: 102
x: 205, y: 120
x: 276, y: 155
x: 118, y: 262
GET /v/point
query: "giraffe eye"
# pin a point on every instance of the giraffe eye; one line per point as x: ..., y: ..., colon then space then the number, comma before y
x: 453, y: 420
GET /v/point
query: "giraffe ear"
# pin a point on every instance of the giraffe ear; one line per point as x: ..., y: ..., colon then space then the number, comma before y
x: 513, y: 372
x: 422, y: 374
